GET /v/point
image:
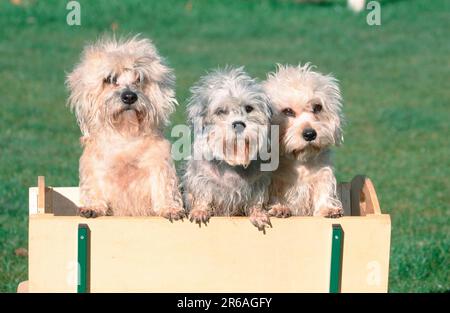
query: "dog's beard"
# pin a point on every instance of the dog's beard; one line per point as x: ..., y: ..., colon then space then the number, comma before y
x: 236, y: 150
x: 127, y: 115
x: 127, y: 119
x: 294, y: 146
x: 233, y: 148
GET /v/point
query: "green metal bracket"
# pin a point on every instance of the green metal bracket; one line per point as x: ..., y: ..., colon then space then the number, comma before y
x: 83, y: 258
x: 337, y: 241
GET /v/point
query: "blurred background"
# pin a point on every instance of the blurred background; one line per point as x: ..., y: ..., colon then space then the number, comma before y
x: 394, y: 79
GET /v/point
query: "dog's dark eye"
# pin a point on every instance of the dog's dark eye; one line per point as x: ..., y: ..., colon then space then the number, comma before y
x: 289, y: 112
x: 221, y: 112
x: 110, y: 80
x: 248, y: 108
x: 317, y: 108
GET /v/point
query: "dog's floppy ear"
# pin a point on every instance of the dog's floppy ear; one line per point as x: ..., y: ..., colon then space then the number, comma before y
x: 196, y: 109
x: 161, y: 91
x: 198, y: 103
x: 334, y: 103
x: 79, y: 101
x: 162, y: 79
x: 80, y: 85
x: 338, y: 135
x: 268, y: 105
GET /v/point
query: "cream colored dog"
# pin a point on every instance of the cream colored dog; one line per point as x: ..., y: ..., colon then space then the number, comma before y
x: 122, y: 94
x: 307, y: 107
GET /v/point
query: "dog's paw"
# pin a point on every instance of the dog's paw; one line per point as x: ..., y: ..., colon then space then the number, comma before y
x: 280, y: 211
x: 331, y: 212
x: 199, y: 216
x: 260, y: 219
x: 335, y: 213
x: 173, y: 214
x: 92, y: 212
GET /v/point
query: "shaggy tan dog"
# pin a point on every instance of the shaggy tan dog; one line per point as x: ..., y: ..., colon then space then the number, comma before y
x: 307, y: 108
x: 122, y: 94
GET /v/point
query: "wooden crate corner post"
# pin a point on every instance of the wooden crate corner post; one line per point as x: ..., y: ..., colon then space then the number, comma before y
x: 44, y: 201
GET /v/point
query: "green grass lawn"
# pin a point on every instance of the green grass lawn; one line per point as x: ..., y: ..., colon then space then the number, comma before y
x: 394, y: 80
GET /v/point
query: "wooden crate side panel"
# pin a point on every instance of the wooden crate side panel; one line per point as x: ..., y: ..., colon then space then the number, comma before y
x: 160, y: 256
x: 358, y: 198
x: 229, y: 255
x: 365, y: 266
x: 71, y: 194
x: 343, y: 192
x: 58, y: 200
x: 33, y: 200
x: 64, y: 201
x: 52, y: 258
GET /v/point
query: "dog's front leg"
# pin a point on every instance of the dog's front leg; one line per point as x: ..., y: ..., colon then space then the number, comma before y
x: 91, y: 199
x: 325, y: 201
x: 276, y: 207
x: 166, y: 197
x: 259, y: 217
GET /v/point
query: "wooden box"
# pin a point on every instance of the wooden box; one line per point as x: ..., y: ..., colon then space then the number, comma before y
x: 151, y: 254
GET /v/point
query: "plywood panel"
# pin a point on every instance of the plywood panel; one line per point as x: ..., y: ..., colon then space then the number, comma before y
x: 229, y: 255
x: 58, y: 200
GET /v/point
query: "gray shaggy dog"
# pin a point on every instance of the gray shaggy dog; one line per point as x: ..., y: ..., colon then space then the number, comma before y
x: 230, y: 116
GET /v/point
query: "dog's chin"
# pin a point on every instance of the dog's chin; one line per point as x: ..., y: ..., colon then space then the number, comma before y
x: 305, y: 151
x: 128, y: 114
x: 238, y: 155
x: 244, y: 162
x: 128, y: 121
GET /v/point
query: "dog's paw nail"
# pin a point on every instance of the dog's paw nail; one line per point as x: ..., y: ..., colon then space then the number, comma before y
x: 173, y: 214
x: 335, y: 213
x: 199, y: 216
x: 281, y: 212
x: 260, y: 220
x: 89, y: 213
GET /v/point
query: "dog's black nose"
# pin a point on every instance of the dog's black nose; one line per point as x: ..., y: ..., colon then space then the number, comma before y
x: 128, y: 97
x: 309, y: 134
x: 238, y: 126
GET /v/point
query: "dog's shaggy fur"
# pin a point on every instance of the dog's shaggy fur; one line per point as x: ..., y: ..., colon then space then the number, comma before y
x: 230, y: 115
x: 122, y: 93
x: 307, y: 105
